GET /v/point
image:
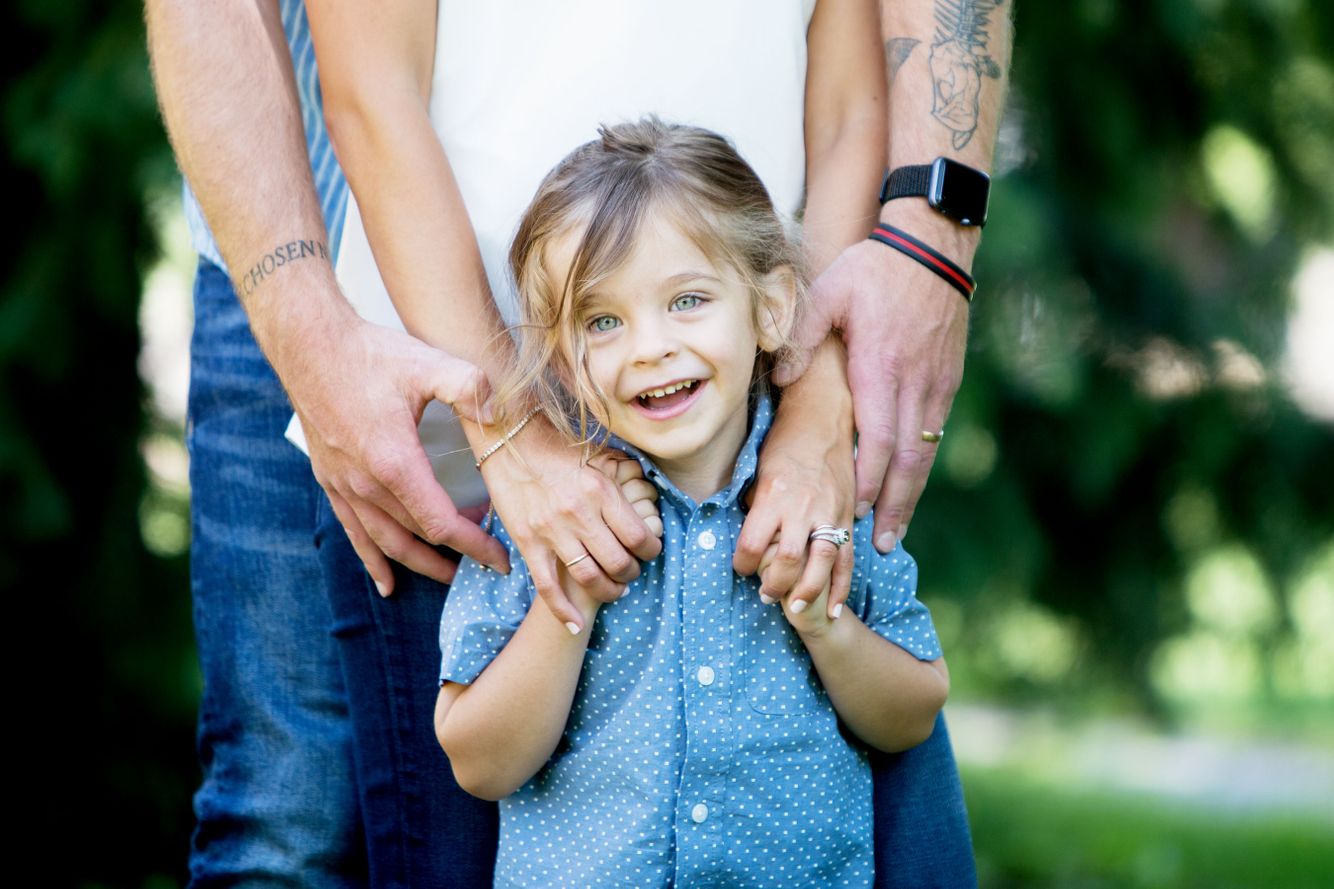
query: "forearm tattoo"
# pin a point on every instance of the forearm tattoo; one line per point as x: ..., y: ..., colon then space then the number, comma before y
x: 283, y: 254
x: 897, y: 50
x: 959, y: 60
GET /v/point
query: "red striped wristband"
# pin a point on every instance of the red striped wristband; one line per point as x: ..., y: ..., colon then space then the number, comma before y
x: 907, y: 244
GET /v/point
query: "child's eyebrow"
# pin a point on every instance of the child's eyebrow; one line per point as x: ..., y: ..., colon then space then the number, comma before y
x: 682, y: 277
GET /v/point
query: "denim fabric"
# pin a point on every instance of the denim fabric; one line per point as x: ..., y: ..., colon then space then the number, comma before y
x: 277, y: 805
x: 922, y: 839
x: 422, y: 829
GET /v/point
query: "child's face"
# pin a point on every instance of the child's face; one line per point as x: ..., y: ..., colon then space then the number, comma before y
x: 669, y: 319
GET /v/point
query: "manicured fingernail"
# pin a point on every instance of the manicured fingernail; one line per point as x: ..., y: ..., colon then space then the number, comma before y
x: 383, y: 588
x: 766, y: 600
x: 885, y: 542
x: 863, y: 509
x: 836, y: 611
x: 572, y: 627
x: 625, y: 591
x: 799, y: 606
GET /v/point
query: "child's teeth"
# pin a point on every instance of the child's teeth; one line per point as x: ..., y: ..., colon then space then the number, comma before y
x: 675, y: 387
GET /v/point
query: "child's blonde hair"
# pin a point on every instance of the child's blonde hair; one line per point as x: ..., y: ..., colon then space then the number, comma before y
x: 610, y: 186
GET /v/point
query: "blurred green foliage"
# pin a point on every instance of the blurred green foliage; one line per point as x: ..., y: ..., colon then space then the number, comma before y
x: 1127, y: 505
x: 102, y: 716
x: 1030, y: 833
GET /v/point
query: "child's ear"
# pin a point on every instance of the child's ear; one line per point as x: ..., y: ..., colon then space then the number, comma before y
x: 778, y: 307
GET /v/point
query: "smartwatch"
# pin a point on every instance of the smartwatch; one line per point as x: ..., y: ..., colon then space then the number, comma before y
x: 954, y: 189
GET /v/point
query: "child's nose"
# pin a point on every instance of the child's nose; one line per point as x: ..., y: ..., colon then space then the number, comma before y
x: 653, y: 343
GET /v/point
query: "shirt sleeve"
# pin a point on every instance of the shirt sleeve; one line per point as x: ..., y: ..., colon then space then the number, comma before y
x: 884, y: 596
x: 482, y: 612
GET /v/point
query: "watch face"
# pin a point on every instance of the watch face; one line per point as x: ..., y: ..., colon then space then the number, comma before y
x: 959, y: 191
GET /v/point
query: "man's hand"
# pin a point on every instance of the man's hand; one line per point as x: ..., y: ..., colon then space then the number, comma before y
x: 360, y: 390
x: 560, y: 510
x: 906, y: 331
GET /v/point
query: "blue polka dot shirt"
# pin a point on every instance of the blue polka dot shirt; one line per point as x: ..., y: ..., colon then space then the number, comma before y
x: 701, y: 749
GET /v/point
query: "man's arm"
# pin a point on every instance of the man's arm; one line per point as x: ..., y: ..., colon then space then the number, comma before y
x: 905, y: 328
x: 225, y: 85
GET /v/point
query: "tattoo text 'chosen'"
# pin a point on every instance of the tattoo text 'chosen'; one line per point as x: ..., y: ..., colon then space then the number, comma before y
x: 283, y: 254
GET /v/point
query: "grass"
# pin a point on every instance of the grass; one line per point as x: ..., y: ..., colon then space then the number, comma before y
x: 1034, y: 833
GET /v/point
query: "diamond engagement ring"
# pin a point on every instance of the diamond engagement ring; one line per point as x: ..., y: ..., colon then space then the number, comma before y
x: 836, y: 536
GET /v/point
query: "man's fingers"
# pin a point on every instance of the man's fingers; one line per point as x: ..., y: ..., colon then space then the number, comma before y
x: 377, y: 566
x: 411, y: 493
x: 936, y: 412
x: 402, y: 546
x: 874, y: 410
x: 461, y: 385
x: 903, y: 471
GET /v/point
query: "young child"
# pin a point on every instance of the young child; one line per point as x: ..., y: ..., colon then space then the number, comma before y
x: 694, y: 735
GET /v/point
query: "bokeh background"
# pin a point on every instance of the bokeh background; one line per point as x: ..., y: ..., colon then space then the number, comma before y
x: 1128, y: 541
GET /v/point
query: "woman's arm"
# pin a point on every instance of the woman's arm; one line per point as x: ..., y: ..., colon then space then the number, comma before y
x: 500, y: 730
x: 803, y: 480
x: 376, y: 62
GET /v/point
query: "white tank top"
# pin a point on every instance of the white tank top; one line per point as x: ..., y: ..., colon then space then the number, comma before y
x: 518, y: 85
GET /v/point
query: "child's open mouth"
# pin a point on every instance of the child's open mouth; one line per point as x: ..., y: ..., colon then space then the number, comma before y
x: 669, y: 400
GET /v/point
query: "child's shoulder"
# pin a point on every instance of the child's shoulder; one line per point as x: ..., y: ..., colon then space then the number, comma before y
x: 473, y: 576
x: 873, y: 569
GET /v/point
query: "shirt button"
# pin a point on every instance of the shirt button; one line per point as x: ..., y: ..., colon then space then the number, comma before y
x: 706, y: 540
x: 699, y: 813
x: 705, y: 675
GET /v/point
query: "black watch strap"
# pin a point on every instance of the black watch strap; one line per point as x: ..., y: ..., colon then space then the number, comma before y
x: 906, y: 182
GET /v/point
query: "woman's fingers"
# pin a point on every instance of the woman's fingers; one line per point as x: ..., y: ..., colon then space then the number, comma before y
x: 815, y: 577
x: 546, y: 580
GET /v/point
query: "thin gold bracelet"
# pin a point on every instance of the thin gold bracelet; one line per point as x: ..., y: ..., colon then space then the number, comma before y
x: 506, y: 437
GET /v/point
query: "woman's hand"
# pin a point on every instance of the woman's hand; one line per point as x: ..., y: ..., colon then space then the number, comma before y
x: 805, y: 479
x: 559, y: 509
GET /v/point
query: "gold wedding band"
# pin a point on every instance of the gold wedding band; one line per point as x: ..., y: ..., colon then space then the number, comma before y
x: 573, y: 562
x: 932, y: 437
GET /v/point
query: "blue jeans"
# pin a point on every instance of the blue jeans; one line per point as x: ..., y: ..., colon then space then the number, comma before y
x: 422, y: 829
x: 277, y: 806
x: 922, y: 839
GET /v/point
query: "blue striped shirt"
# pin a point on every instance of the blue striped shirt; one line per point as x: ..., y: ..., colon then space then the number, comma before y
x: 329, y: 182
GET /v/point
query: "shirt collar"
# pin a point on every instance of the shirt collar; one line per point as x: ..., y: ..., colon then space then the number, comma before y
x: 742, y: 474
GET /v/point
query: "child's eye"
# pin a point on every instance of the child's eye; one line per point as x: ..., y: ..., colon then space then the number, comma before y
x: 603, y: 323
x: 686, y: 301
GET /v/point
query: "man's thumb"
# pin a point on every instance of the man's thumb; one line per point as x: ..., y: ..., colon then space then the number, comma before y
x: 465, y: 388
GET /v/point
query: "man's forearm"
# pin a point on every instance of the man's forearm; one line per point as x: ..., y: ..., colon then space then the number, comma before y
x: 228, y: 98
x: 947, y: 63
